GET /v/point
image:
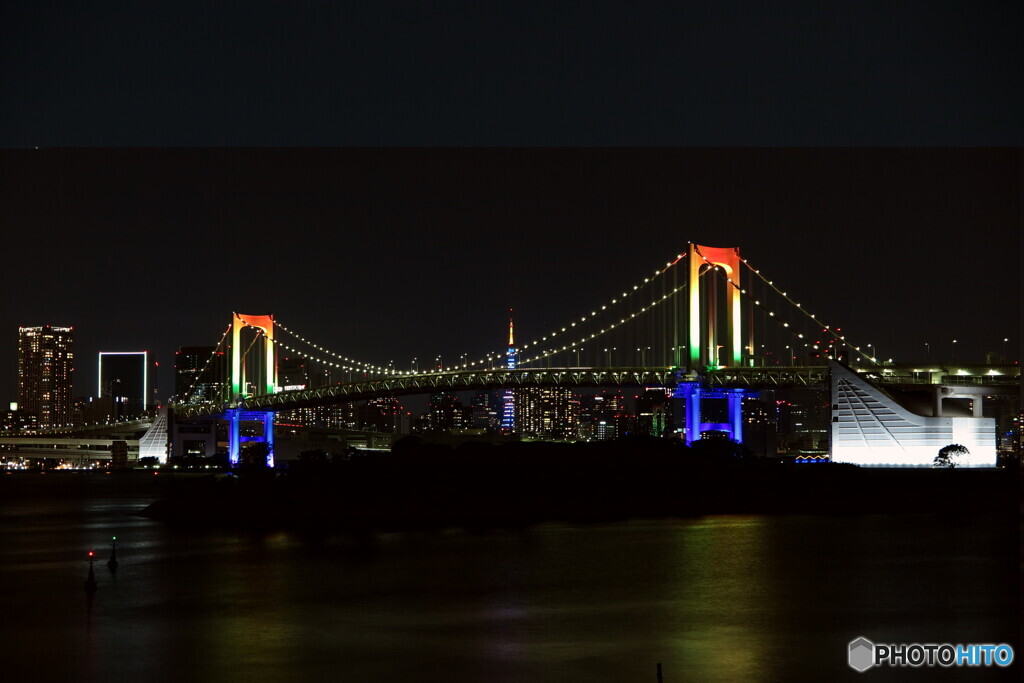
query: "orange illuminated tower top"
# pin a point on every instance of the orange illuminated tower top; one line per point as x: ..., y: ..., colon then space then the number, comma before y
x: 728, y: 259
x: 264, y: 323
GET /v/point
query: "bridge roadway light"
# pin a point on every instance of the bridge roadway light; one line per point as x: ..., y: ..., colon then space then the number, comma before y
x: 677, y: 349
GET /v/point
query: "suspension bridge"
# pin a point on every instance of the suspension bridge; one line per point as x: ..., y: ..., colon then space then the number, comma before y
x: 707, y: 325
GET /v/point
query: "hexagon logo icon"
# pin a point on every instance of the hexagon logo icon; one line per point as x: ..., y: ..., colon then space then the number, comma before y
x: 862, y: 654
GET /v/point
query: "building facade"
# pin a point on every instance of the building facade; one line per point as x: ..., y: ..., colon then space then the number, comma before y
x: 869, y: 427
x: 45, y: 370
x: 545, y: 412
x: 654, y: 412
x: 445, y: 413
x: 200, y: 373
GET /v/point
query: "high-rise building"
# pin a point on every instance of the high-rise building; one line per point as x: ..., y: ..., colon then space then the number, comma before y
x: 445, y: 413
x: 384, y: 414
x: 292, y: 373
x: 804, y: 419
x: 760, y: 417
x: 485, y: 415
x: 14, y: 421
x: 45, y: 369
x: 200, y: 373
x: 654, y: 412
x: 545, y: 412
x: 123, y: 382
x: 607, y: 416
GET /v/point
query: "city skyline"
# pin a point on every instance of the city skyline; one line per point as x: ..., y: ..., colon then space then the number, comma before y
x: 396, y: 254
x: 388, y: 180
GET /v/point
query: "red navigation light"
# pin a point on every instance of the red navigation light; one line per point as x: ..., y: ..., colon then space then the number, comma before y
x: 91, y: 553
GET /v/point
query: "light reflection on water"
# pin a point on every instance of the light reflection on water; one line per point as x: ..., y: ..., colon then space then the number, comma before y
x: 726, y: 598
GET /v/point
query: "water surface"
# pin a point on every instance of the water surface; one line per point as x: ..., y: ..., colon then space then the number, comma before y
x: 721, y: 598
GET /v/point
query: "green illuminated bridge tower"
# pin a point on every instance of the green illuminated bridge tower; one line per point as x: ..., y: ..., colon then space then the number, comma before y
x: 705, y: 333
x: 246, y: 376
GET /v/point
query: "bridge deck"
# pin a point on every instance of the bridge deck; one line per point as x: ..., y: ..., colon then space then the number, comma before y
x: 752, y: 377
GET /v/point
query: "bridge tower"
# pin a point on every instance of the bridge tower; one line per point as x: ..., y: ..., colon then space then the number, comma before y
x: 240, y: 371
x: 704, y: 335
x: 704, y: 347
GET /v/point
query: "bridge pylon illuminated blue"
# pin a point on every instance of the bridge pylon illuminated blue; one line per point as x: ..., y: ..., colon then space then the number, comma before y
x: 704, y: 349
x: 693, y: 392
x: 264, y: 324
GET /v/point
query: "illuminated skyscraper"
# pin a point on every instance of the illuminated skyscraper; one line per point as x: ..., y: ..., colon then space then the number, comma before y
x: 508, y: 414
x: 654, y: 411
x: 384, y: 414
x: 608, y: 416
x: 486, y: 411
x: 45, y: 367
x: 545, y: 412
x: 446, y: 412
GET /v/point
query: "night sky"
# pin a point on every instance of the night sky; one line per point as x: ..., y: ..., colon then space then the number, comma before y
x: 383, y: 180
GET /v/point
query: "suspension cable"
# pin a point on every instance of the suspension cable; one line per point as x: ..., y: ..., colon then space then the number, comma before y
x: 324, y: 361
x: 213, y: 354
x: 839, y: 338
x: 357, y: 364
x: 495, y: 355
x: 620, y: 322
x: 826, y: 328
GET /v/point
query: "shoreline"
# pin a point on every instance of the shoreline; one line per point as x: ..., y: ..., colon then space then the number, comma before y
x: 483, y: 498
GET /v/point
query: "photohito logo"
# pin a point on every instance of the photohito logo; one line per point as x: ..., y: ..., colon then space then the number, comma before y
x: 863, y: 654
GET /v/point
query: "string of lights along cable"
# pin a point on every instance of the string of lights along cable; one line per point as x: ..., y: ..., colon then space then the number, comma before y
x: 641, y: 325
x: 644, y: 325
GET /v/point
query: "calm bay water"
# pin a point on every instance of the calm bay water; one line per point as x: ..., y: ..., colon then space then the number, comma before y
x: 722, y: 598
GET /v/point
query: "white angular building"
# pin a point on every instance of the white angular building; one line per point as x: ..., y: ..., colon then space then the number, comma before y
x: 870, y: 428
